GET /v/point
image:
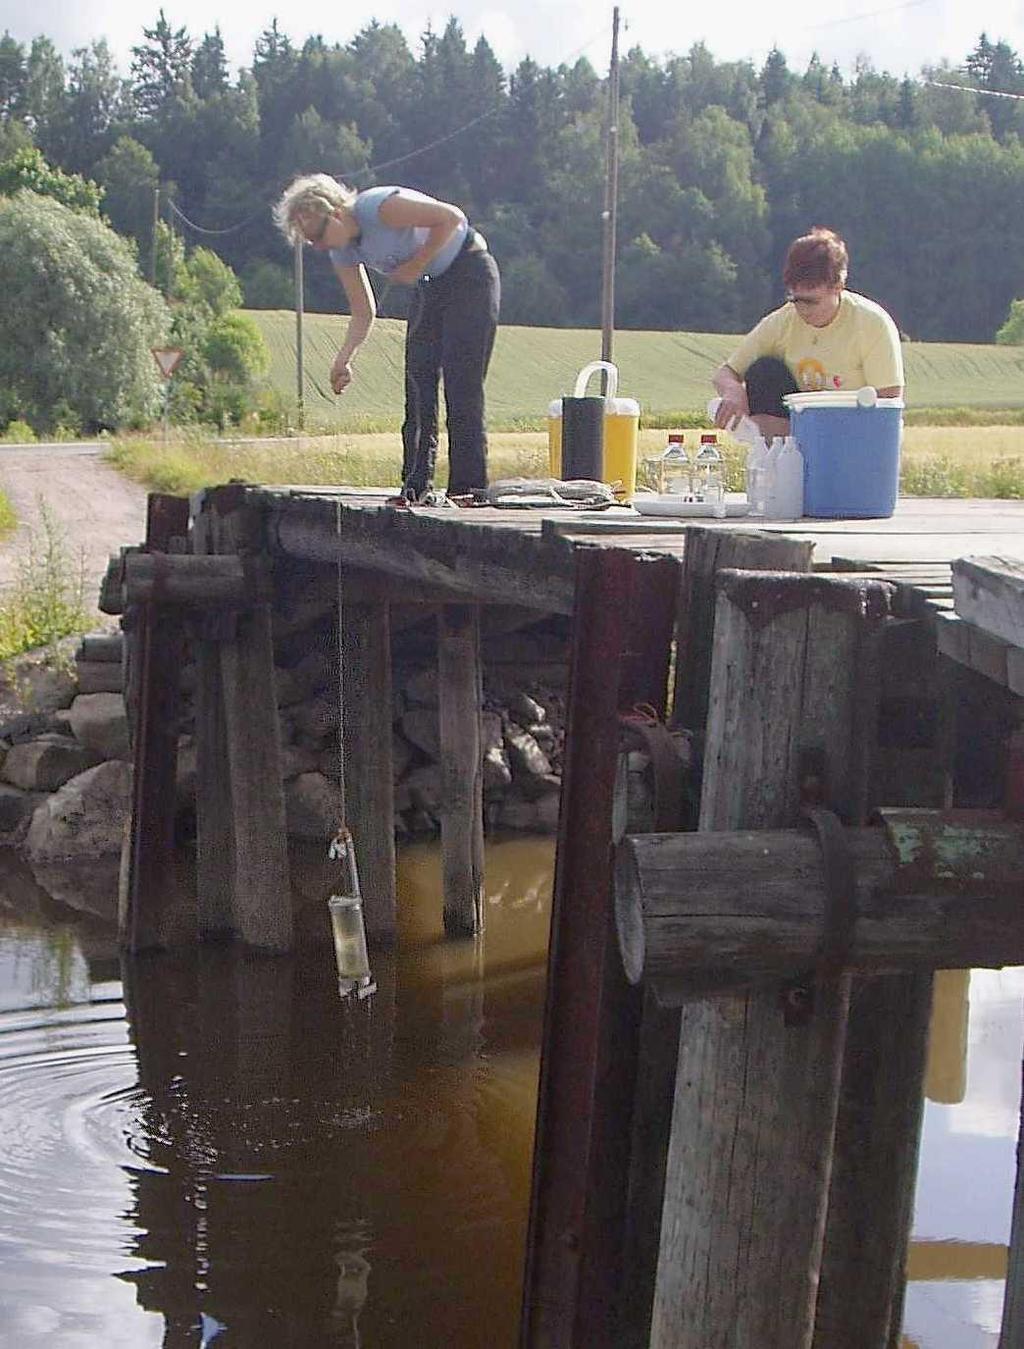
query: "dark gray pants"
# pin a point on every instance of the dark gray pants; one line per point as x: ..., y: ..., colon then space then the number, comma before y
x: 450, y: 333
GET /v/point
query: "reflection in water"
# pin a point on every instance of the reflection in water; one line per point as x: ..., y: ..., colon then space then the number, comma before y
x: 209, y: 1149
x: 968, y: 1162
x: 258, y: 1161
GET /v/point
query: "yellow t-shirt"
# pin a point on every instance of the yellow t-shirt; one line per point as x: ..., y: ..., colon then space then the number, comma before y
x: 860, y: 346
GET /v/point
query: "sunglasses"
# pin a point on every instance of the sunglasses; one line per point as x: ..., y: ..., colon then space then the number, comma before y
x: 803, y: 299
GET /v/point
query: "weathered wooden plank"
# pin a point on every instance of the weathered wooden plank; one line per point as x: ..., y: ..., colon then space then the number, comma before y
x: 148, y: 915
x: 754, y: 903
x: 587, y: 1136
x: 707, y: 552
x: 194, y: 579
x: 756, y: 1100
x: 367, y: 762
x: 989, y: 593
x: 460, y: 701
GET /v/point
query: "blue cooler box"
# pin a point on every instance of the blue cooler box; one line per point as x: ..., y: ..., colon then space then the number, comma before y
x: 851, y: 458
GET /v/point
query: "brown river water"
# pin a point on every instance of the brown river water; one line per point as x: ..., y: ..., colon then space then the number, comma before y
x: 206, y: 1149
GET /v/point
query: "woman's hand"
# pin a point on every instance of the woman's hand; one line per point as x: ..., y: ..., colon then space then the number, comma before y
x: 733, y: 395
x: 341, y: 373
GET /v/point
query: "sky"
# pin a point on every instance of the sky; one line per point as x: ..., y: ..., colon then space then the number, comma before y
x: 900, y: 36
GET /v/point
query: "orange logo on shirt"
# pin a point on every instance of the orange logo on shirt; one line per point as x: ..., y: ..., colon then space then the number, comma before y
x: 810, y: 374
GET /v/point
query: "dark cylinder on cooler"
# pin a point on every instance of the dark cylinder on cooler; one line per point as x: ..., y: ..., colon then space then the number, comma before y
x: 583, y: 438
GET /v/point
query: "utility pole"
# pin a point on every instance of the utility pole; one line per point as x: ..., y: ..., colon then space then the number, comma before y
x: 611, y: 193
x: 152, y: 251
x: 299, y: 373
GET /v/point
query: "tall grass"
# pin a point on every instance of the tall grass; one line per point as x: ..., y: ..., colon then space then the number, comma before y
x: 984, y: 461
x: 47, y: 599
x: 7, y: 517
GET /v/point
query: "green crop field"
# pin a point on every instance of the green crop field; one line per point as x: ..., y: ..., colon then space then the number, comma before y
x: 666, y: 372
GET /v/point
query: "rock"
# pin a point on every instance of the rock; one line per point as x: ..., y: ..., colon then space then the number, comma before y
x: 496, y: 771
x: 539, y: 817
x: 16, y: 810
x: 424, y: 787
x: 45, y: 764
x: 533, y: 786
x: 101, y: 646
x: 38, y: 681
x: 492, y: 730
x: 296, y: 760
x: 84, y: 819
x: 525, y: 755
x: 525, y: 709
x: 100, y: 722
x: 421, y: 687
x: 313, y: 807
x: 317, y: 718
x: 420, y: 728
x: 98, y: 677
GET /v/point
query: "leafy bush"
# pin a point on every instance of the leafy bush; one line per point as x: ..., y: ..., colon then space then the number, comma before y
x: 77, y: 322
x: 28, y: 171
x: 1011, y: 334
x: 18, y: 432
x: 47, y: 601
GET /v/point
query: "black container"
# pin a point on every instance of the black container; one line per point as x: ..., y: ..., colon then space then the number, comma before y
x: 583, y: 438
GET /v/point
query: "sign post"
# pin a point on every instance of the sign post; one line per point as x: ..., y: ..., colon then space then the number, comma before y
x: 167, y: 359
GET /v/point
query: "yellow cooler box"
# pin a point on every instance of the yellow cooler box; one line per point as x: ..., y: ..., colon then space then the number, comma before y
x: 621, y: 432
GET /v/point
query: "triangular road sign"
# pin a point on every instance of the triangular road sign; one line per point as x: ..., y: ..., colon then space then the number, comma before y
x: 167, y: 359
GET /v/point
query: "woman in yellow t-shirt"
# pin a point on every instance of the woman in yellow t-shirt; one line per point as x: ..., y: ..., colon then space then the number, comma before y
x: 823, y: 337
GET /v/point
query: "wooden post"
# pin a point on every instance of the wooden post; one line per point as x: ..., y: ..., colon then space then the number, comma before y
x: 756, y: 1099
x: 215, y: 843
x: 1012, y: 1333
x: 261, y: 901
x: 709, y: 551
x: 146, y: 917
x: 590, y: 1056
x: 460, y: 697
x: 365, y: 653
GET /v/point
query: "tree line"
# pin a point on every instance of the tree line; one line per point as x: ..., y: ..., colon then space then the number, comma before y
x: 721, y: 165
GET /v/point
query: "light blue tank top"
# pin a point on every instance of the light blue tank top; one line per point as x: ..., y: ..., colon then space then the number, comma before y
x: 383, y: 247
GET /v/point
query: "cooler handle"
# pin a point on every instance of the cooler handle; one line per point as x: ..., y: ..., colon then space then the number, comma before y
x: 583, y: 377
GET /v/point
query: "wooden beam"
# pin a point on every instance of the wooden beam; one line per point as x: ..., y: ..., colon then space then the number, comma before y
x: 575, y: 1294
x: 754, y: 904
x: 460, y: 708
x: 989, y: 592
x: 195, y: 580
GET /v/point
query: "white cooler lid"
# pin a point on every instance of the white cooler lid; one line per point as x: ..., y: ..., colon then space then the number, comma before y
x: 835, y: 398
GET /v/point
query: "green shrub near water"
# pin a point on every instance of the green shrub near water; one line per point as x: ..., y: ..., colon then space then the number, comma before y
x: 7, y: 517
x: 47, y: 599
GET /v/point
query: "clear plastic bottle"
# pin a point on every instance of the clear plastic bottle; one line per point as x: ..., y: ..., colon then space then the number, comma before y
x: 787, y: 502
x: 710, y: 474
x: 674, y: 467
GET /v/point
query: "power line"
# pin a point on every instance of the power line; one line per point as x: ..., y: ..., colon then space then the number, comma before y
x: 871, y: 14
x: 347, y: 175
x: 969, y: 89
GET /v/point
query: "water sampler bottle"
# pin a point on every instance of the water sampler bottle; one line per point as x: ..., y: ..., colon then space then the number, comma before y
x: 674, y: 467
x: 710, y: 475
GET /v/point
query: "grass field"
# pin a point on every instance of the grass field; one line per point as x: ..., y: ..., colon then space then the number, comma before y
x: 668, y: 373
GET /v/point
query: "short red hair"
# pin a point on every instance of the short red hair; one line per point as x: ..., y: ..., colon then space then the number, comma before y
x: 816, y: 259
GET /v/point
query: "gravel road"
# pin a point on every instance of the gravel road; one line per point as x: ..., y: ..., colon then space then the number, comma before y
x: 95, y: 509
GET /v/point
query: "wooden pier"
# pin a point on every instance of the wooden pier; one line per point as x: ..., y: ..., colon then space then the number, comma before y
x: 721, y: 1107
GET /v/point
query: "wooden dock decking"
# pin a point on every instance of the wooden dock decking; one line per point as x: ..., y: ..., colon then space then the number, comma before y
x: 525, y: 556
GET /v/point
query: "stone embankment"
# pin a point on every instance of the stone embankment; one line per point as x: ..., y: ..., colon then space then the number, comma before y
x: 65, y: 765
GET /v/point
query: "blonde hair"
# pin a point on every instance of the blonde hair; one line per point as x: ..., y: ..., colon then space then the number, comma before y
x: 311, y: 195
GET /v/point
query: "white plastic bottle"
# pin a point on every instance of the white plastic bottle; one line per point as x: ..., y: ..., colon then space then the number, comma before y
x: 771, y: 459
x: 755, y: 470
x: 785, y: 497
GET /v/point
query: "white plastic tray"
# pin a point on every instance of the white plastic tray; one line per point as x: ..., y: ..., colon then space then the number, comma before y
x: 655, y: 503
